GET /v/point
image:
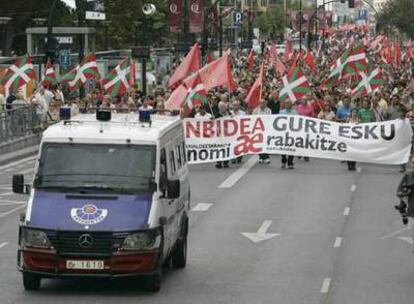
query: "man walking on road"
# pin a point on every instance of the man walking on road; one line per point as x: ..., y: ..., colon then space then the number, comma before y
x: 262, y: 109
x: 222, y: 112
x: 288, y: 159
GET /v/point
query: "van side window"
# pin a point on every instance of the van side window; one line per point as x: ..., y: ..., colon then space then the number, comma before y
x: 183, y: 153
x: 179, y: 156
x: 172, y: 163
x: 163, y: 168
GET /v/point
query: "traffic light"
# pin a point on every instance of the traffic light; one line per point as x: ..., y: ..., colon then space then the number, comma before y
x: 351, y: 3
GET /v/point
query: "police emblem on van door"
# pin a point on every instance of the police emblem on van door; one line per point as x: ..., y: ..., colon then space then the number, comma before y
x: 88, y: 215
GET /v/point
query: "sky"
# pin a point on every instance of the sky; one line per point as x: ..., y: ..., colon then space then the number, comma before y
x: 70, y: 3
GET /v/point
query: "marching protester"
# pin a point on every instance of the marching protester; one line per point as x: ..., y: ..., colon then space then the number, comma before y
x: 353, y: 119
x: 288, y: 159
x: 237, y: 111
x: 262, y: 109
x: 222, y: 112
x: 344, y: 111
x: 305, y: 108
x: 327, y: 113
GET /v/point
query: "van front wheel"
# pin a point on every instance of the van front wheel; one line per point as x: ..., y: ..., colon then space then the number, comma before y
x: 31, y: 281
x: 179, y: 256
x: 153, y: 282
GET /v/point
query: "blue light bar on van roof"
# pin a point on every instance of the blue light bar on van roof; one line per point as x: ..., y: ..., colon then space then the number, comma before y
x: 144, y: 115
x: 65, y: 113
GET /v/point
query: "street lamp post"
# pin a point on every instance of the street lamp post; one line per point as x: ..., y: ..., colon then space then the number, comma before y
x: 50, y: 45
x: 106, y: 24
x: 136, y: 25
x: 3, y: 24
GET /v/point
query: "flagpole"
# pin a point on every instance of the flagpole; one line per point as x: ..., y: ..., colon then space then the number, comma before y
x: 300, y: 26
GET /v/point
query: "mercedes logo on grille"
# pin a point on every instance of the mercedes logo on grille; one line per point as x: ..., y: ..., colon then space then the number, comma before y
x: 85, y: 241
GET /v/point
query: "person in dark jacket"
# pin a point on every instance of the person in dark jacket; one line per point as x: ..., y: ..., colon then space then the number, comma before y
x: 222, y: 112
x: 405, y: 192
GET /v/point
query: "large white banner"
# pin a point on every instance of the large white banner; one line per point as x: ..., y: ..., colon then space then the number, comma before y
x: 227, y: 138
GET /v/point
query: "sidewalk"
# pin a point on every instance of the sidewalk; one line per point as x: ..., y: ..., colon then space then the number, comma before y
x: 18, y: 149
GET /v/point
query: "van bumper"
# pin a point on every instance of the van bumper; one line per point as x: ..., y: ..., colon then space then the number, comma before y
x: 52, y: 265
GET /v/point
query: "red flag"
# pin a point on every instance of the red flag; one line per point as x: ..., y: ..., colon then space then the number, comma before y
x: 397, y: 54
x: 409, y: 51
x: 277, y: 63
x: 177, y: 98
x: 132, y: 77
x: 280, y: 67
x: 255, y: 94
x: 250, y: 61
x: 217, y: 73
x: 288, y: 50
x: 210, y: 57
x: 273, y: 54
x: 190, y: 64
x: 310, y: 61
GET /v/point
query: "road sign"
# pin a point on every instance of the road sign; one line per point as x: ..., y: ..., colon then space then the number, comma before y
x: 362, y: 14
x: 238, y: 18
x: 64, y: 40
x: 95, y: 10
x: 64, y: 58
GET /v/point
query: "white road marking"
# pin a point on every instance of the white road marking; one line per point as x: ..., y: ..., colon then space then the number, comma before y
x: 406, y: 239
x: 9, y: 170
x: 359, y: 169
x: 261, y: 234
x: 202, y: 207
x: 11, y: 211
x: 10, y: 203
x: 338, y: 242
x: 24, y: 160
x: 4, y: 244
x: 27, y: 171
x: 6, y: 193
x: 347, y: 210
x: 353, y: 188
x: 325, y: 285
x: 239, y: 173
x: 397, y: 232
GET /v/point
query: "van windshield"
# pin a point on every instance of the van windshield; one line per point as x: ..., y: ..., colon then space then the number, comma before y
x: 96, y: 168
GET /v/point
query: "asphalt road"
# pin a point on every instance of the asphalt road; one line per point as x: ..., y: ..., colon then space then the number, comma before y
x: 332, y: 237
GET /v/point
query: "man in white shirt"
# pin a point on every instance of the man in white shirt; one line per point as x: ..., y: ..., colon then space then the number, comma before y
x: 201, y: 113
x: 262, y: 109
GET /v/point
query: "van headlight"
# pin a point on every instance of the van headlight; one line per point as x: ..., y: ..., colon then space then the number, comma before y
x: 141, y: 240
x: 35, y: 238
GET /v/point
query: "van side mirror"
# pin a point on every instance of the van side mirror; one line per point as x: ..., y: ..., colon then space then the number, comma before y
x: 18, y: 184
x: 173, y: 188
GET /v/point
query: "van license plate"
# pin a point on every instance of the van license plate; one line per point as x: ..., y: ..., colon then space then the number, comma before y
x: 91, y: 265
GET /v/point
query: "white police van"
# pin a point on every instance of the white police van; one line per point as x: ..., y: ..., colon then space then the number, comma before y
x: 110, y: 198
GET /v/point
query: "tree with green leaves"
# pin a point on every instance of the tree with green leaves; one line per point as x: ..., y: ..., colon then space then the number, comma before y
x: 397, y: 14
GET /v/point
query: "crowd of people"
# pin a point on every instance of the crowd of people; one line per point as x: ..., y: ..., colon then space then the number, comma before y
x: 394, y: 99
